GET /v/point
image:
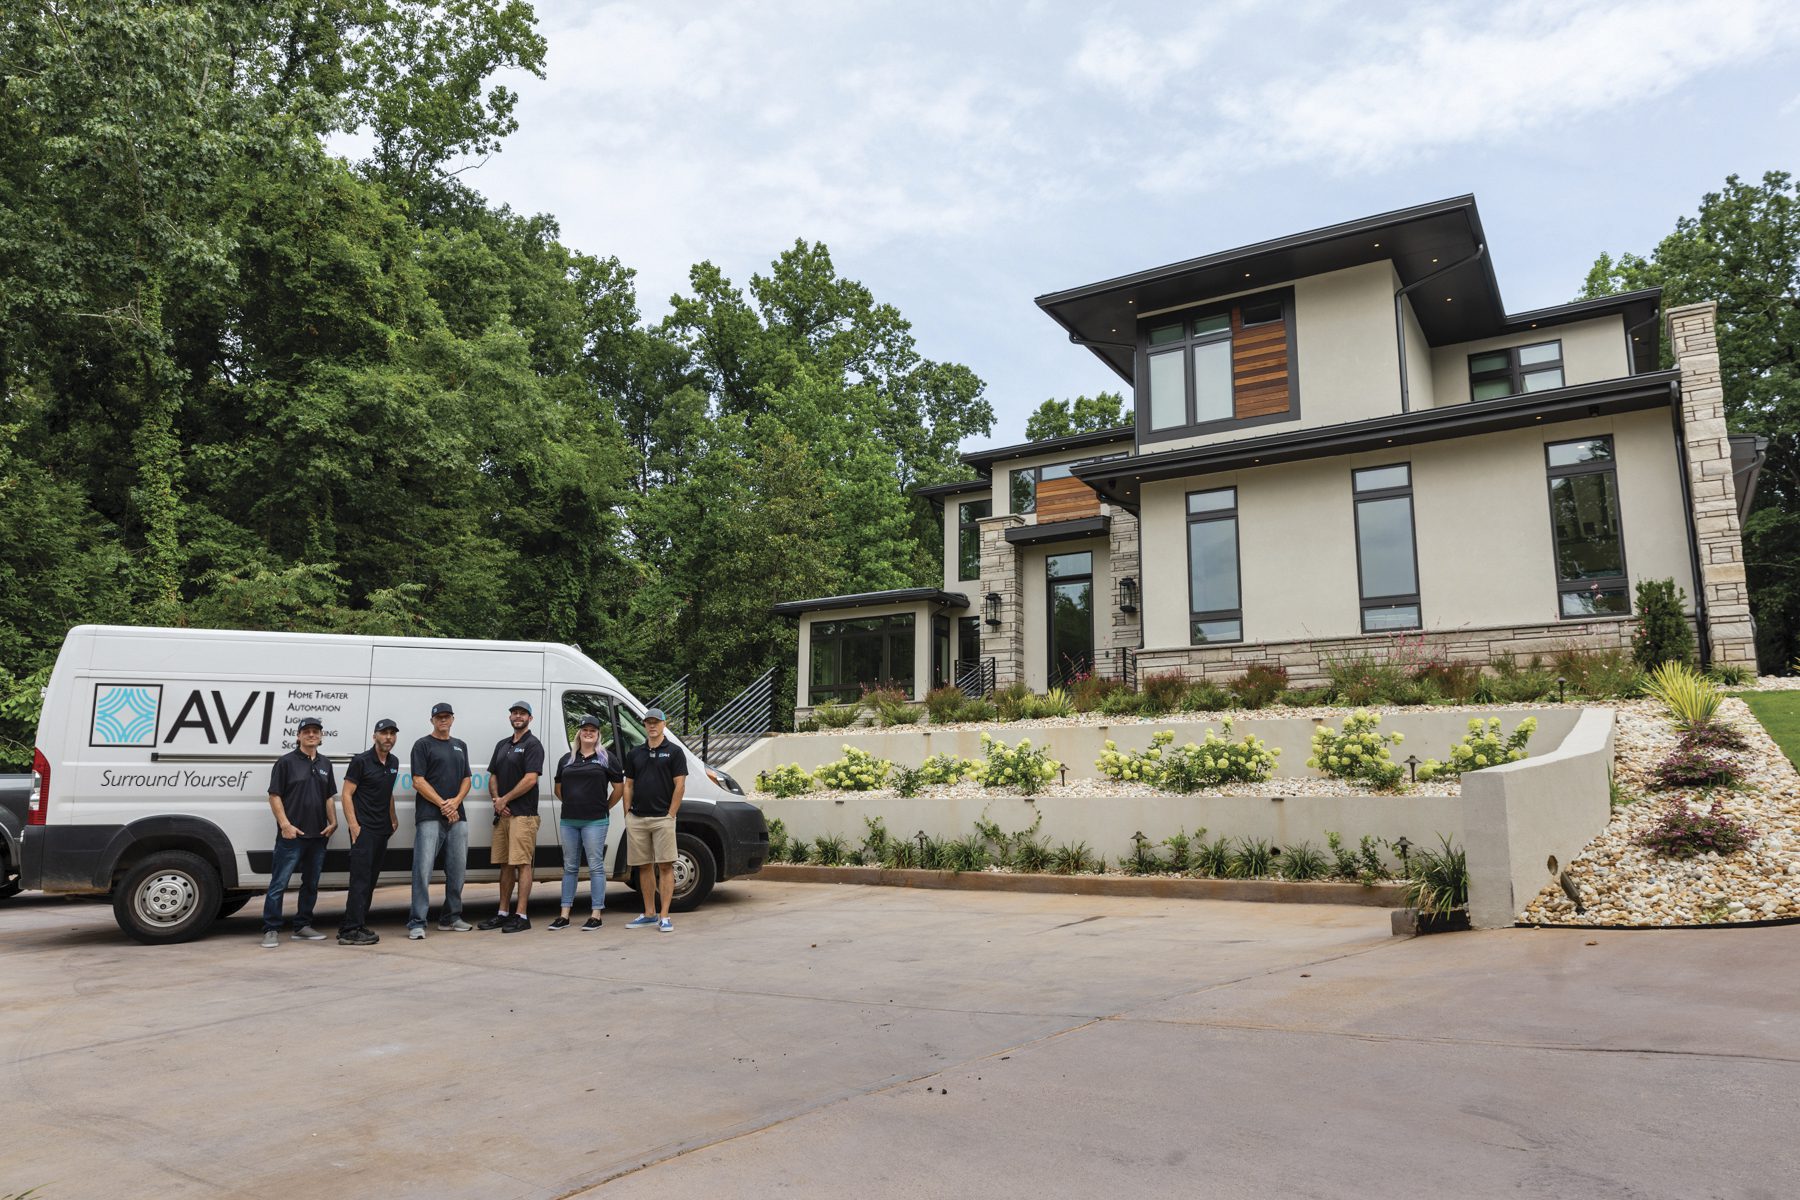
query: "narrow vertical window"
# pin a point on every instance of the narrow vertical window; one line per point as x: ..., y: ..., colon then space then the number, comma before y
x: 1215, y: 605
x: 1387, y: 557
x: 968, y: 537
x: 1590, y: 537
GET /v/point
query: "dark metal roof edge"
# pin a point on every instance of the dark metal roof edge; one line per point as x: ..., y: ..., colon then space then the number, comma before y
x: 1026, y: 535
x: 793, y: 608
x: 1577, y: 309
x: 1322, y: 438
x: 1073, y: 441
x: 933, y: 490
x: 1292, y: 241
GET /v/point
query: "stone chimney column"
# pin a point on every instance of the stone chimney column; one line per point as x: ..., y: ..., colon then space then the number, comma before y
x: 1000, y: 575
x: 1693, y: 332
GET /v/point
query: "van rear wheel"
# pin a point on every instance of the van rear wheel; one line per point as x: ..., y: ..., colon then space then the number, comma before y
x: 169, y: 896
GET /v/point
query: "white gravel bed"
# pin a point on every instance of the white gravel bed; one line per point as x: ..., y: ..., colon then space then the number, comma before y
x: 1333, y: 715
x: 1108, y: 788
x: 1622, y: 883
x: 1773, y: 683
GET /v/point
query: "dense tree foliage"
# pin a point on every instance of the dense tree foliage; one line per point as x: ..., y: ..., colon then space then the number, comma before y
x: 1083, y: 414
x: 1742, y: 250
x: 246, y: 383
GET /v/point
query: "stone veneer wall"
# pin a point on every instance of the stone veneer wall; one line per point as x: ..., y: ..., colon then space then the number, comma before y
x: 1693, y: 334
x: 1122, y: 554
x: 1000, y: 574
x: 1305, y: 659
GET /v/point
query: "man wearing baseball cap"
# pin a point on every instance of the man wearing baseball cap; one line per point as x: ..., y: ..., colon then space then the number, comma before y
x: 440, y: 776
x: 655, y: 780
x: 302, y: 789
x: 369, y: 814
x: 513, y: 774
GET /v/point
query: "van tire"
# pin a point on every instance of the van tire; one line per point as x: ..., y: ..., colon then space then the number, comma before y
x: 233, y: 901
x: 168, y: 896
x: 695, y: 873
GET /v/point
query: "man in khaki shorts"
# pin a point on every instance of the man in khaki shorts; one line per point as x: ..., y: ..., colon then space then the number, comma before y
x: 513, y: 783
x: 655, y: 779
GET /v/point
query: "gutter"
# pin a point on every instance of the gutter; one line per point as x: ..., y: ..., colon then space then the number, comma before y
x: 1400, y: 322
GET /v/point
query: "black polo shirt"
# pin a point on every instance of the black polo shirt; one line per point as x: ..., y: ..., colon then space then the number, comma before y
x: 444, y: 764
x: 653, y: 771
x: 374, y: 782
x: 306, y: 786
x: 512, y: 762
x: 586, y: 784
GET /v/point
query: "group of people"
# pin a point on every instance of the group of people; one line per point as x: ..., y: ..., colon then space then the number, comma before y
x: 650, y: 779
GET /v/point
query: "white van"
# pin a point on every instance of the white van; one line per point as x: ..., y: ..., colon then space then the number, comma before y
x: 155, y: 748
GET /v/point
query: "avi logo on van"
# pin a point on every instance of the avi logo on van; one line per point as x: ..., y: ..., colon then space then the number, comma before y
x: 222, y: 721
x: 125, y: 714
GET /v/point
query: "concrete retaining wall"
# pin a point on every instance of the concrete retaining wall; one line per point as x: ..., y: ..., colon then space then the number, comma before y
x: 1516, y: 816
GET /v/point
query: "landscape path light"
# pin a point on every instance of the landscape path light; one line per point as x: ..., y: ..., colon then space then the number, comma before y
x: 1401, y: 847
x: 1412, y: 767
x: 1560, y: 684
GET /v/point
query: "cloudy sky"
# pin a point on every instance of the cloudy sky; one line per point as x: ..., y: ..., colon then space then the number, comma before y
x: 962, y: 158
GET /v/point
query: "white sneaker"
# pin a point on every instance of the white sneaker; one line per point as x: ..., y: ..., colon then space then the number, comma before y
x: 271, y: 939
x: 667, y: 926
x: 306, y: 933
x: 415, y: 934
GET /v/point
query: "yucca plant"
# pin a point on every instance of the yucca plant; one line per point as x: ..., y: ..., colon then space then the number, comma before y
x: 829, y: 850
x: 1213, y: 858
x: 1254, y: 859
x: 1072, y: 858
x: 1691, y: 701
x: 1304, y: 861
x: 1438, y: 881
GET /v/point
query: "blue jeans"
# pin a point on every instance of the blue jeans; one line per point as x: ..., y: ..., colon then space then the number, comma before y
x: 429, y: 837
x: 576, y: 841
x: 306, y: 853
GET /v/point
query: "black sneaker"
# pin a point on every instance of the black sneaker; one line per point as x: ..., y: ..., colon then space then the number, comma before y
x: 560, y: 923
x: 495, y: 921
x: 518, y: 924
x: 592, y: 922
x: 358, y: 937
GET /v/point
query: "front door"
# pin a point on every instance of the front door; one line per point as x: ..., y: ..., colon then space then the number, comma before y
x: 1071, y: 608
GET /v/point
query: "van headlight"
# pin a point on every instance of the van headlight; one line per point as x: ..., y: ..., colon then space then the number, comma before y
x: 723, y: 780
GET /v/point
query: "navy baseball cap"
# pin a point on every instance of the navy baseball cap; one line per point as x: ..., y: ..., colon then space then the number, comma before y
x: 386, y: 725
x: 654, y: 714
x: 588, y: 719
x: 521, y: 704
x: 442, y: 709
x: 311, y: 723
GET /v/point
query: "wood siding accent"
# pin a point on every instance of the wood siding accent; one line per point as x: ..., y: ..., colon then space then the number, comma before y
x: 1065, y: 500
x: 1260, y: 382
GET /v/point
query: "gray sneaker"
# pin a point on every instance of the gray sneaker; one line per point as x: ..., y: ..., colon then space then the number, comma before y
x: 457, y: 925
x: 271, y: 938
x: 306, y: 933
x: 415, y: 934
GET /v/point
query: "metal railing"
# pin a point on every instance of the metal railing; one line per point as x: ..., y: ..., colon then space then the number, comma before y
x: 677, y: 703
x: 741, y: 722
x: 1112, y: 662
x: 977, y: 679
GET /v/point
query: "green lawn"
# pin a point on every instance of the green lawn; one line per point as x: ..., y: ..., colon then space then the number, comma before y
x: 1779, y: 713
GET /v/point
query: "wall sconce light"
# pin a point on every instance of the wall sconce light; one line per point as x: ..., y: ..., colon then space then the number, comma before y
x: 1128, y: 595
x: 993, y: 610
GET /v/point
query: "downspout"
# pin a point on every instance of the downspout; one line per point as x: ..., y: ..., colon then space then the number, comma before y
x: 1400, y: 321
x: 1693, y: 533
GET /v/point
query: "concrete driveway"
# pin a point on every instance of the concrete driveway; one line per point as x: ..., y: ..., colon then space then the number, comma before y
x: 815, y: 1041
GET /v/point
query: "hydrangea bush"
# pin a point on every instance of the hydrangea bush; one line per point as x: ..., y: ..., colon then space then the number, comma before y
x: 1026, y: 767
x: 1482, y: 747
x: 789, y: 780
x: 1193, y: 766
x: 1359, y: 753
x: 857, y: 771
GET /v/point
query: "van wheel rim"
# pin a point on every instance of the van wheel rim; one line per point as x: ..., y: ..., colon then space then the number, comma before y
x: 685, y: 874
x: 167, y: 899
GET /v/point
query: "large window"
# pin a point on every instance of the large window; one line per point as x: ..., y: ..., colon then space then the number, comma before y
x: 1515, y: 370
x: 848, y: 656
x: 1071, y: 602
x: 940, y: 651
x: 1590, y: 540
x: 1218, y: 366
x: 1215, y: 607
x: 968, y: 537
x: 1387, y: 559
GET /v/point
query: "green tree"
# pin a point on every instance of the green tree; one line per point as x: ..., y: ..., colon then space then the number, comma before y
x: 1742, y: 251
x: 1084, y: 414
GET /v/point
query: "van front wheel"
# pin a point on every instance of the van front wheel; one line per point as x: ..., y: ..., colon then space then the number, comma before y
x: 170, y: 896
x: 695, y: 873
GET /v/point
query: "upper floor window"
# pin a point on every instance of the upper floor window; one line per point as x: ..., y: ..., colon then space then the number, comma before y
x: 1515, y: 370
x: 968, y: 537
x: 1217, y: 366
x: 1590, y: 538
x: 1027, y: 481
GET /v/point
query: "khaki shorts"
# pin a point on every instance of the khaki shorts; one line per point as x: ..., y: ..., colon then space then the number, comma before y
x: 649, y: 840
x: 515, y: 841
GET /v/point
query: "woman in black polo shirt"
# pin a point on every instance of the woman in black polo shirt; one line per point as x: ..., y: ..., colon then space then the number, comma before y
x: 588, y: 783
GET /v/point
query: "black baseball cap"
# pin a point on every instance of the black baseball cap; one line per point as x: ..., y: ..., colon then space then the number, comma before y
x: 310, y: 723
x: 442, y: 709
x: 588, y: 719
x: 386, y: 725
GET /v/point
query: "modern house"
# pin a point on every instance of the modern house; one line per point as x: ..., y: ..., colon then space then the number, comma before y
x: 1340, y: 436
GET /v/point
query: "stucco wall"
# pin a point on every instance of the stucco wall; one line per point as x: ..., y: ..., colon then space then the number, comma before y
x: 1421, y: 382
x: 1481, y: 518
x: 1592, y: 350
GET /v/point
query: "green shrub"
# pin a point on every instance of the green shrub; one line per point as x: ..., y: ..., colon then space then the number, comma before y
x: 1370, y: 866
x: 1362, y: 679
x: 1216, y: 761
x: 828, y: 850
x: 875, y: 840
x: 1005, y: 846
x: 1663, y: 635
x: 1254, y: 859
x: 1690, y: 700
x: 1142, y: 859
x: 1514, y: 684
x: 1026, y: 767
x: 1731, y: 675
x: 1305, y: 697
x: 832, y: 715
x: 1456, y: 680
x: 1163, y: 692
x: 907, y: 781
x: 965, y: 854
x: 1343, y: 860
x: 1359, y: 753
x: 1258, y: 686
x: 1032, y: 855
x: 943, y: 703
x: 1123, y: 704
x: 1091, y: 692
x: 1438, y: 880
x: 1205, y: 696
x: 901, y: 714
x: 1481, y: 747
x: 795, y: 850
x: 1303, y: 862
x: 977, y: 712
x: 857, y: 771
x: 777, y: 838
x: 789, y: 780
x: 899, y: 854
x: 1599, y: 674
x: 1054, y: 703
x: 1181, y: 850
x: 809, y: 725
x: 947, y: 768
x: 1014, y: 702
x: 1409, y: 691
x: 1213, y: 859
x: 1134, y: 766
x: 1073, y: 858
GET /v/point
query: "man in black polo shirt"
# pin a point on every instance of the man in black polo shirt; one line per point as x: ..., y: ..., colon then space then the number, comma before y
x: 369, y: 813
x: 302, y: 791
x: 440, y: 775
x: 513, y: 774
x: 655, y: 780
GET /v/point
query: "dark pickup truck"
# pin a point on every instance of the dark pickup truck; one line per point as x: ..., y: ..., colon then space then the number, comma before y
x: 15, y: 793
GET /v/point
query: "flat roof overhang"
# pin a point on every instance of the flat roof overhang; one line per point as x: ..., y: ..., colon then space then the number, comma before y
x: 794, y: 608
x: 1059, y: 531
x: 983, y: 459
x: 937, y: 491
x: 1121, y: 482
